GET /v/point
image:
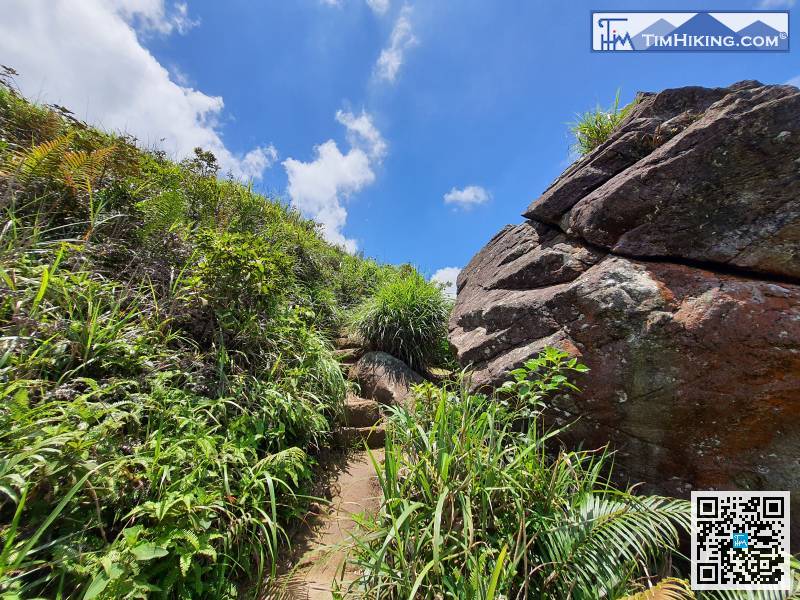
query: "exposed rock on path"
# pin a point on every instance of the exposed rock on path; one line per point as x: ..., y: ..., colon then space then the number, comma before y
x: 384, y: 377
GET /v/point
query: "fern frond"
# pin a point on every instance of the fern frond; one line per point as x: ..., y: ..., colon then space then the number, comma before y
x: 42, y: 160
x: 85, y: 167
x: 670, y: 588
x: 605, y: 535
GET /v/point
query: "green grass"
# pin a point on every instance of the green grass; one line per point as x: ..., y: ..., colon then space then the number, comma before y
x: 166, y: 370
x: 407, y: 318
x: 594, y: 127
x: 481, y: 503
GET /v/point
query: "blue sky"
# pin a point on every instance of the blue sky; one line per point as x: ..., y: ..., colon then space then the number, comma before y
x: 414, y: 130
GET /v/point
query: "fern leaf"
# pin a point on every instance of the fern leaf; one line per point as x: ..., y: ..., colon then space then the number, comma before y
x: 666, y: 589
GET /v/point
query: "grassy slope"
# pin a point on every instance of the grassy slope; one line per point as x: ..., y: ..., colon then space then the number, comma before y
x: 165, y: 369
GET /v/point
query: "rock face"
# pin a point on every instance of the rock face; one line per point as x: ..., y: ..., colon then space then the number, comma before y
x: 669, y: 260
x: 384, y: 378
x: 704, y: 175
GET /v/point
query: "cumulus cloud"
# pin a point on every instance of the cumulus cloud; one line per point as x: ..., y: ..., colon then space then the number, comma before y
x: 87, y: 56
x: 401, y: 39
x: 258, y: 160
x: 447, y: 277
x: 362, y: 133
x: 321, y: 187
x: 470, y: 196
x: 795, y: 81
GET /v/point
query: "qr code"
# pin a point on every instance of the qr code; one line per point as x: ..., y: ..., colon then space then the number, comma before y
x: 740, y: 541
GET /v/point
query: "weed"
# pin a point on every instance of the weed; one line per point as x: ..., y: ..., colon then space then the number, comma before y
x: 594, y: 127
x: 479, y: 502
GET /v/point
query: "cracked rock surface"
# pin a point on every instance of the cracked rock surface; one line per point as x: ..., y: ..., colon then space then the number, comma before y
x: 669, y: 260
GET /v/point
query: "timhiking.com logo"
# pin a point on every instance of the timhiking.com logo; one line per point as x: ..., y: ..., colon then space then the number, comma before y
x: 647, y: 31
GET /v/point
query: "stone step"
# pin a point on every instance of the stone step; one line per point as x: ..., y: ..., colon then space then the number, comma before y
x: 348, y: 356
x: 374, y: 436
x: 360, y: 412
x: 346, y: 342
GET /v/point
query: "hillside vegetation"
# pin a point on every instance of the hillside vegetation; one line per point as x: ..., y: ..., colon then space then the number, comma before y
x: 166, y: 370
x: 168, y: 382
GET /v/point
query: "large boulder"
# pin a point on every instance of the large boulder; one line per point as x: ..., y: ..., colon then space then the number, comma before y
x: 669, y: 260
x: 384, y: 378
x: 686, y: 179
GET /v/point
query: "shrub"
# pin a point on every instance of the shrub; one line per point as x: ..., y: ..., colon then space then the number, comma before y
x: 480, y: 503
x: 593, y: 127
x: 406, y: 317
x: 242, y: 272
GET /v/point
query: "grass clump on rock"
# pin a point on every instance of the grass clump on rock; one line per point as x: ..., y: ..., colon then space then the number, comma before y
x: 594, y: 127
x: 407, y: 318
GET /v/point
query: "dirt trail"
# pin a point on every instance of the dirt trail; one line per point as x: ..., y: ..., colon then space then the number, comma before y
x: 320, y: 549
x: 317, y: 567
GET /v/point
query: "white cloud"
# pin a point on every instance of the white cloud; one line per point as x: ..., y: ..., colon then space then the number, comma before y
x: 362, y: 133
x: 470, y: 196
x: 154, y: 15
x: 400, y: 40
x: 767, y: 4
x: 447, y: 277
x: 86, y: 55
x: 795, y: 81
x: 258, y: 160
x: 179, y: 76
x: 379, y: 7
x: 320, y: 188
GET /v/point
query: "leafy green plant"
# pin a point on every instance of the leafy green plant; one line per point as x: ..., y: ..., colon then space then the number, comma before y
x: 242, y: 270
x: 594, y: 127
x: 406, y: 317
x: 480, y: 503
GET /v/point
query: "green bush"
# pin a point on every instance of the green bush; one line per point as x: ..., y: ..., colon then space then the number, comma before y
x: 594, y: 127
x: 242, y: 272
x: 405, y: 317
x: 480, y: 503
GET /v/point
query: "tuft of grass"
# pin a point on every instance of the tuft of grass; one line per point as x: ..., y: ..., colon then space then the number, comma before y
x: 405, y: 317
x: 594, y: 127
